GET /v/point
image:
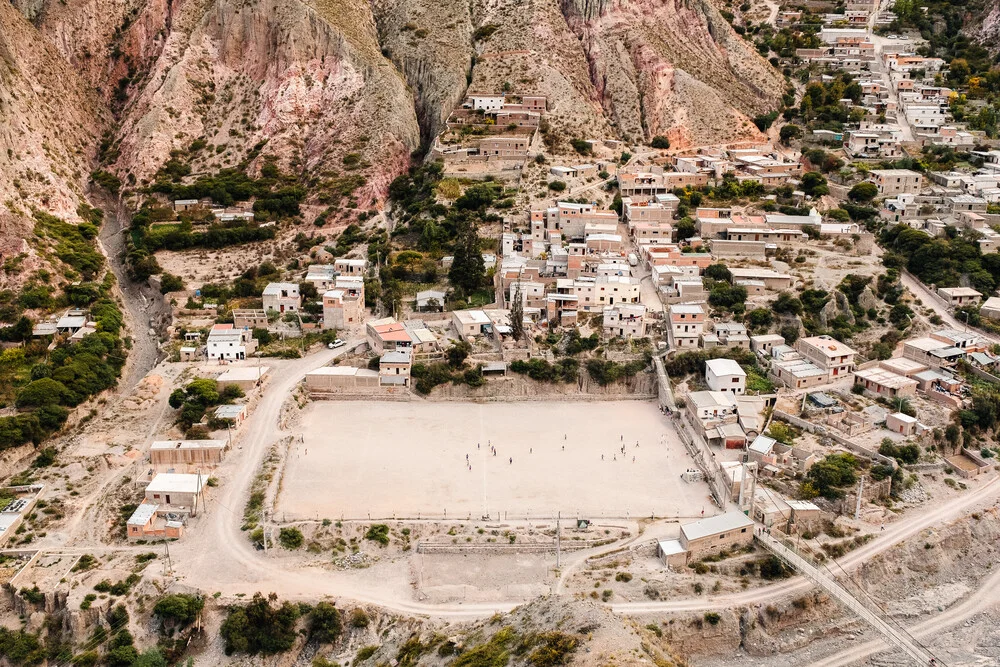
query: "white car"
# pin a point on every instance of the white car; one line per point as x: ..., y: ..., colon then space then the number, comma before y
x: 336, y: 343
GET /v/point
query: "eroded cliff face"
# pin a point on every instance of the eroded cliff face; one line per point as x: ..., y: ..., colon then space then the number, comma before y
x: 48, y: 131
x: 431, y: 45
x: 673, y: 68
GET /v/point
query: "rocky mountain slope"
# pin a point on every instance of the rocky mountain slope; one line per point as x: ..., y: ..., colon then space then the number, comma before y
x: 48, y: 123
x: 309, y: 82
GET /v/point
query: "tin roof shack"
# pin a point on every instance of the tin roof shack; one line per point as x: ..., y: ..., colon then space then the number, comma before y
x: 187, y: 452
x: 245, y: 378
x: 13, y: 513
x: 233, y: 415
x: 671, y: 554
x: 710, y: 536
x: 183, y: 493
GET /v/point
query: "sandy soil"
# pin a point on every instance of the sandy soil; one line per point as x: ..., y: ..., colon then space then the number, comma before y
x: 391, y: 459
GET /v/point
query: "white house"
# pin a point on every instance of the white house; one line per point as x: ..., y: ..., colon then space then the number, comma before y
x: 725, y: 375
x: 227, y: 342
x: 282, y: 297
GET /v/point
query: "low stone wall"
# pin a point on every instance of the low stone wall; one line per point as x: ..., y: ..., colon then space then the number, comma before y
x: 821, y: 430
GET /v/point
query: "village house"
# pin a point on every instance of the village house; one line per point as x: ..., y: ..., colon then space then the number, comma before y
x: 394, y: 368
x: 430, y: 300
x: 991, y: 308
x: 959, y: 296
x: 228, y: 343
x: 387, y: 335
x: 709, y: 408
x: 762, y: 344
x: 725, y: 375
x: 234, y: 414
x: 470, y: 323
x: 935, y: 353
x: 321, y: 275
x: 625, y: 320
x: 710, y: 536
x: 146, y: 523
x: 351, y: 267
x: 178, y: 490
x: 792, y: 370
x: 897, y: 422
x: 246, y: 377
x: 249, y: 318
x: 205, y: 453
x: 687, y: 322
x: 344, y: 305
x: 282, y: 297
x: 333, y: 379
x: 771, y: 279
x: 828, y: 353
x: 891, y: 182
x: 885, y: 384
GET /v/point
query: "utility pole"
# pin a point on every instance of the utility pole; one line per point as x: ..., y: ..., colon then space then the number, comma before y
x: 753, y: 490
x: 197, y: 493
x: 558, y: 538
x: 170, y: 567
x: 857, y: 506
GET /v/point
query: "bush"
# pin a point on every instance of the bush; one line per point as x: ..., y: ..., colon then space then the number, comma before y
x: 378, y: 532
x: 660, y: 141
x: 359, y: 619
x: 171, y: 283
x: 179, y: 609
x: 557, y: 186
x: 260, y: 627
x: 711, y: 617
x: 290, y: 538
x: 325, y: 624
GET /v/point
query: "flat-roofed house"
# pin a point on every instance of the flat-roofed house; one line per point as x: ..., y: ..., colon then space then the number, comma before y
x: 187, y: 452
x: 146, y: 523
x: 234, y: 414
x: 796, y: 372
x: 772, y: 279
x: 903, y: 366
x: 351, y: 267
x: 884, y: 383
x: 687, y: 322
x: 344, y: 305
x: 897, y: 422
x: 725, y: 375
x: 836, y: 358
x: 991, y: 308
x: 763, y: 343
x: 249, y: 318
x: 179, y: 490
x: 227, y: 342
x: 959, y: 296
x: 321, y: 275
x: 282, y: 297
x: 470, y: 323
x: 625, y: 320
x: 933, y: 352
x: 394, y: 368
x: 892, y: 182
x: 710, y: 536
x: 331, y: 379
x: 246, y: 378
x: 710, y: 405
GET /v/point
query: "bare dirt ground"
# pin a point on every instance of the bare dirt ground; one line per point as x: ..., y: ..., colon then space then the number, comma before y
x: 392, y: 459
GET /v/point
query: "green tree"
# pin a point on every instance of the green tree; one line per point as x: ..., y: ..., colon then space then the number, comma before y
x: 260, y: 627
x: 685, y: 228
x: 468, y: 271
x: 789, y: 132
x: 325, y: 623
x: 179, y: 609
x: 718, y: 271
x: 863, y: 193
x: 814, y: 184
x: 660, y: 141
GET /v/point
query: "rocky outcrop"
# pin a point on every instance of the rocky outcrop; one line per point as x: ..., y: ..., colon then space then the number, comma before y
x: 673, y: 68
x: 431, y: 44
x: 985, y: 26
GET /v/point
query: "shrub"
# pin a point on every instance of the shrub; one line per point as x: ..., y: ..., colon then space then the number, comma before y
x: 171, y: 283
x: 179, y: 609
x: 359, y: 619
x: 624, y: 577
x: 557, y: 186
x: 660, y: 141
x: 325, y: 624
x: 290, y: 538
x: 712, y: 618
x: 378, y: 532
x: 260, y: 626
